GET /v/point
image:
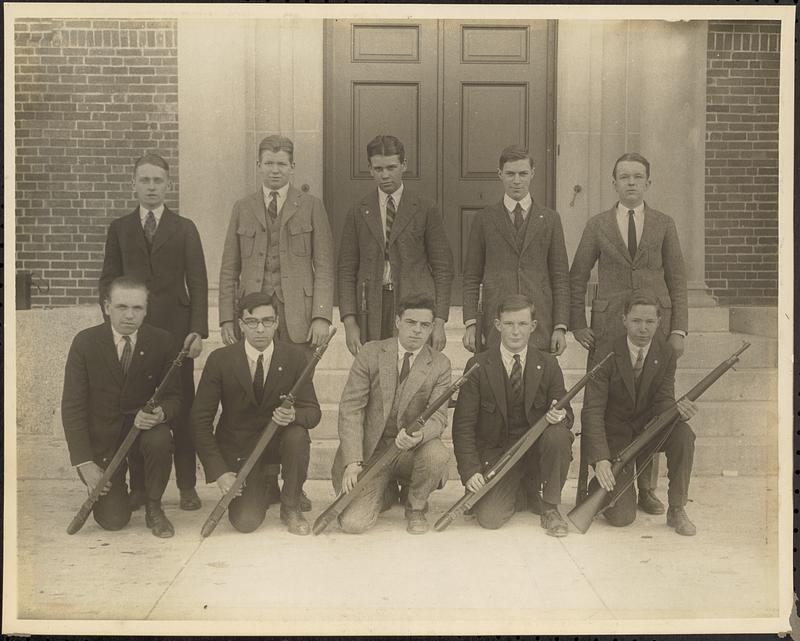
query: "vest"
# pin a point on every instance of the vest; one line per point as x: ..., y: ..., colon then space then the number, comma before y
x: 272, y: 267
x: 517, y: 421
x: 519, y: 236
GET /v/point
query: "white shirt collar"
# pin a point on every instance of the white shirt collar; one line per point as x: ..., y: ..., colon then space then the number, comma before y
x: 401, y: 352
x: 118, y: 339
x: 282, y: 192
x: 253, y: 353
x: 634, y: 350
x: 525, y: 203
x: 508, y: 357
x: 396, y: 196
x: 157, y: 212
x: 622, y: 210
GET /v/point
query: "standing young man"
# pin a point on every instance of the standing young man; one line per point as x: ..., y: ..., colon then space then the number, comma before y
x: 279, y: 244
x: 393, y: 245
x: 157, y: 246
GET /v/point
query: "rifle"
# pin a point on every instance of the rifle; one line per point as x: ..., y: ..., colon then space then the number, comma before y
x: 479, y: 323
x: 83, y: 513
x: 599, y: 499
x: 363, y: 314
x: 512, y: 455
x: 266, y: 436
x: 386, y: 458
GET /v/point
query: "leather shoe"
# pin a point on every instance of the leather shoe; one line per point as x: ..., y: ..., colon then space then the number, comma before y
x: 190, y: 500
x: 553, y: 523
x: 273, y: 492
x: 305, y: 502
x: 678, y: 519
x: 535, y: 503
x: 649, y: 502
x: 157, y: 521
x: 136, y: 499
x: 295, y: 521
x: 417, y: 523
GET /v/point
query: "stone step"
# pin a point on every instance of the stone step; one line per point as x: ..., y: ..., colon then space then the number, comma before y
x: 715, y: 418
x: 701, y: 319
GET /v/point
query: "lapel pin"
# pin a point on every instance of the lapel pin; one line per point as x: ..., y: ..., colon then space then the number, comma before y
x: 655, y: 362
x: 280, y: 369
x: 538, y: 367
x: 141, y: 353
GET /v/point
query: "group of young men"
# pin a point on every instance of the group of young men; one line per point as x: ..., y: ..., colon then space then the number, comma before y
x: 275, y: 308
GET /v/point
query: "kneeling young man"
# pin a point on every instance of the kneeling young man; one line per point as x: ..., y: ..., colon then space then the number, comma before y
x: 112, y: 371
x: 248, y: 378
x: 636, y: 385
x: 391, y: 382
x: 516, y: 384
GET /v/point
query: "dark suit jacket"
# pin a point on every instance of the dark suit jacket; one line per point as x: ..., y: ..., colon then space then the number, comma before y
x: 174, y: 271
x: 613, y: 408
x: 419, y: 254
x: 97, y: 397
x: 657, y: 267
x: 480, y: 422
x: 540, y: 270
x: 226, y: 379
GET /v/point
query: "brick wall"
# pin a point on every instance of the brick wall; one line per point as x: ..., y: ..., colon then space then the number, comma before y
x: 91, y: 96
x: 741, y: 214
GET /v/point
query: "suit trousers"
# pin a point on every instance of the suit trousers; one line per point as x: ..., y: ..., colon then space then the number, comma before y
x: 548, y: 459
x: 424, y: 469
x: 154, y: 446
x: 291, y: 447
x: 679, y: 449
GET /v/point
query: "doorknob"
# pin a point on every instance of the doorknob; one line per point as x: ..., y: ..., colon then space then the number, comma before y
x: 575, y: 191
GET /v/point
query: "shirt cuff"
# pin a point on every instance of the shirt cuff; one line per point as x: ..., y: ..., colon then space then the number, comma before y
x: 561, y: 326
x: 470, y: 322
x: 79, y: 465
x: 679, y: 332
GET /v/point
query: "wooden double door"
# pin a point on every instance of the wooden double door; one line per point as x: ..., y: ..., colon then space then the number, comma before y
x: 455, y: 93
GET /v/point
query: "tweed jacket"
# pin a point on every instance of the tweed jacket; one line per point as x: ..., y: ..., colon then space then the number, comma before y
x: 539, y: 269
x: 174, y: 270
x: 616, y: 409
x: 369, y: 393
x: 480, y: 422
x: 419, y: 254
x: 658, y: 267
x: 97, y: 396
x: 306, y: 258
x: 226, y: 380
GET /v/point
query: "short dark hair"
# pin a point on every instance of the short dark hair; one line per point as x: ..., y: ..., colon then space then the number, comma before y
x: 382, y: 145
x: 415, y: 301
x: 275, y: 144
x: 640, y: 297
x: 255, y: 299
x: 514, y: 152
x: 125, y: 282
x: 632, y: 157
x: 514, y: 303
x: 150, y: 159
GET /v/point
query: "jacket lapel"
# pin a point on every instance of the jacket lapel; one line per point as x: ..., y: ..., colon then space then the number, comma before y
x: 416, y: 377
x: 651, y: 365
x: 533, y: 377
x: 408, y: 208
x: 290, y: 205
x: 535, y: 225
x: 387, y: 367
x: 497, y: 380
x: 167, y: 226
x: 371, y: 213
x: 139, y: 353
x: 258, y: 209
x: 241, y: 370
x: 648, y: 233
x: 500, y: 218
x: 276, y: 371
x: 611, y: 231
x: 109, y: 352
x: 136, y: 231
x: 623, y: 356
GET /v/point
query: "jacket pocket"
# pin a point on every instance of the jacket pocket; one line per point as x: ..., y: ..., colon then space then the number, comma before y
x: 300, y: 238
x: 247, y: 239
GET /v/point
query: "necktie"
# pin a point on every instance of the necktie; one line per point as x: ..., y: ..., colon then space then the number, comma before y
x: 518, y: 217
x: 637, y: 368
x: 391, y: 212
x: 631, y: 234
x: 516, y: 377
x: 272, y: 210
x: 127, y: 352
x: 258, y: 379
x: 406, y: 367
x: 150, y: 228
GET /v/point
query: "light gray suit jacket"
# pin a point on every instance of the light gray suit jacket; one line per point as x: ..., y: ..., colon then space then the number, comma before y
x: 368, y: 395
x: 657, y: 268
x: 306, y: 256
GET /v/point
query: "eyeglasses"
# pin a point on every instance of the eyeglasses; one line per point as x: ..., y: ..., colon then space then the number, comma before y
x: 253, y: 323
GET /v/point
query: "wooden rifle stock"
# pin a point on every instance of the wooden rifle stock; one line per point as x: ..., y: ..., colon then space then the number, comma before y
x: 583, y: 514
x: 480, y: 321
x: 512, y: 455
x: 371, y: 471
x: 83, y: 513
x: 363, y: 315
x: 266, y: 436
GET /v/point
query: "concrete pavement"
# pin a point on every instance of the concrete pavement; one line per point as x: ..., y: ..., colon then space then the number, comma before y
x: 514, y: 578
